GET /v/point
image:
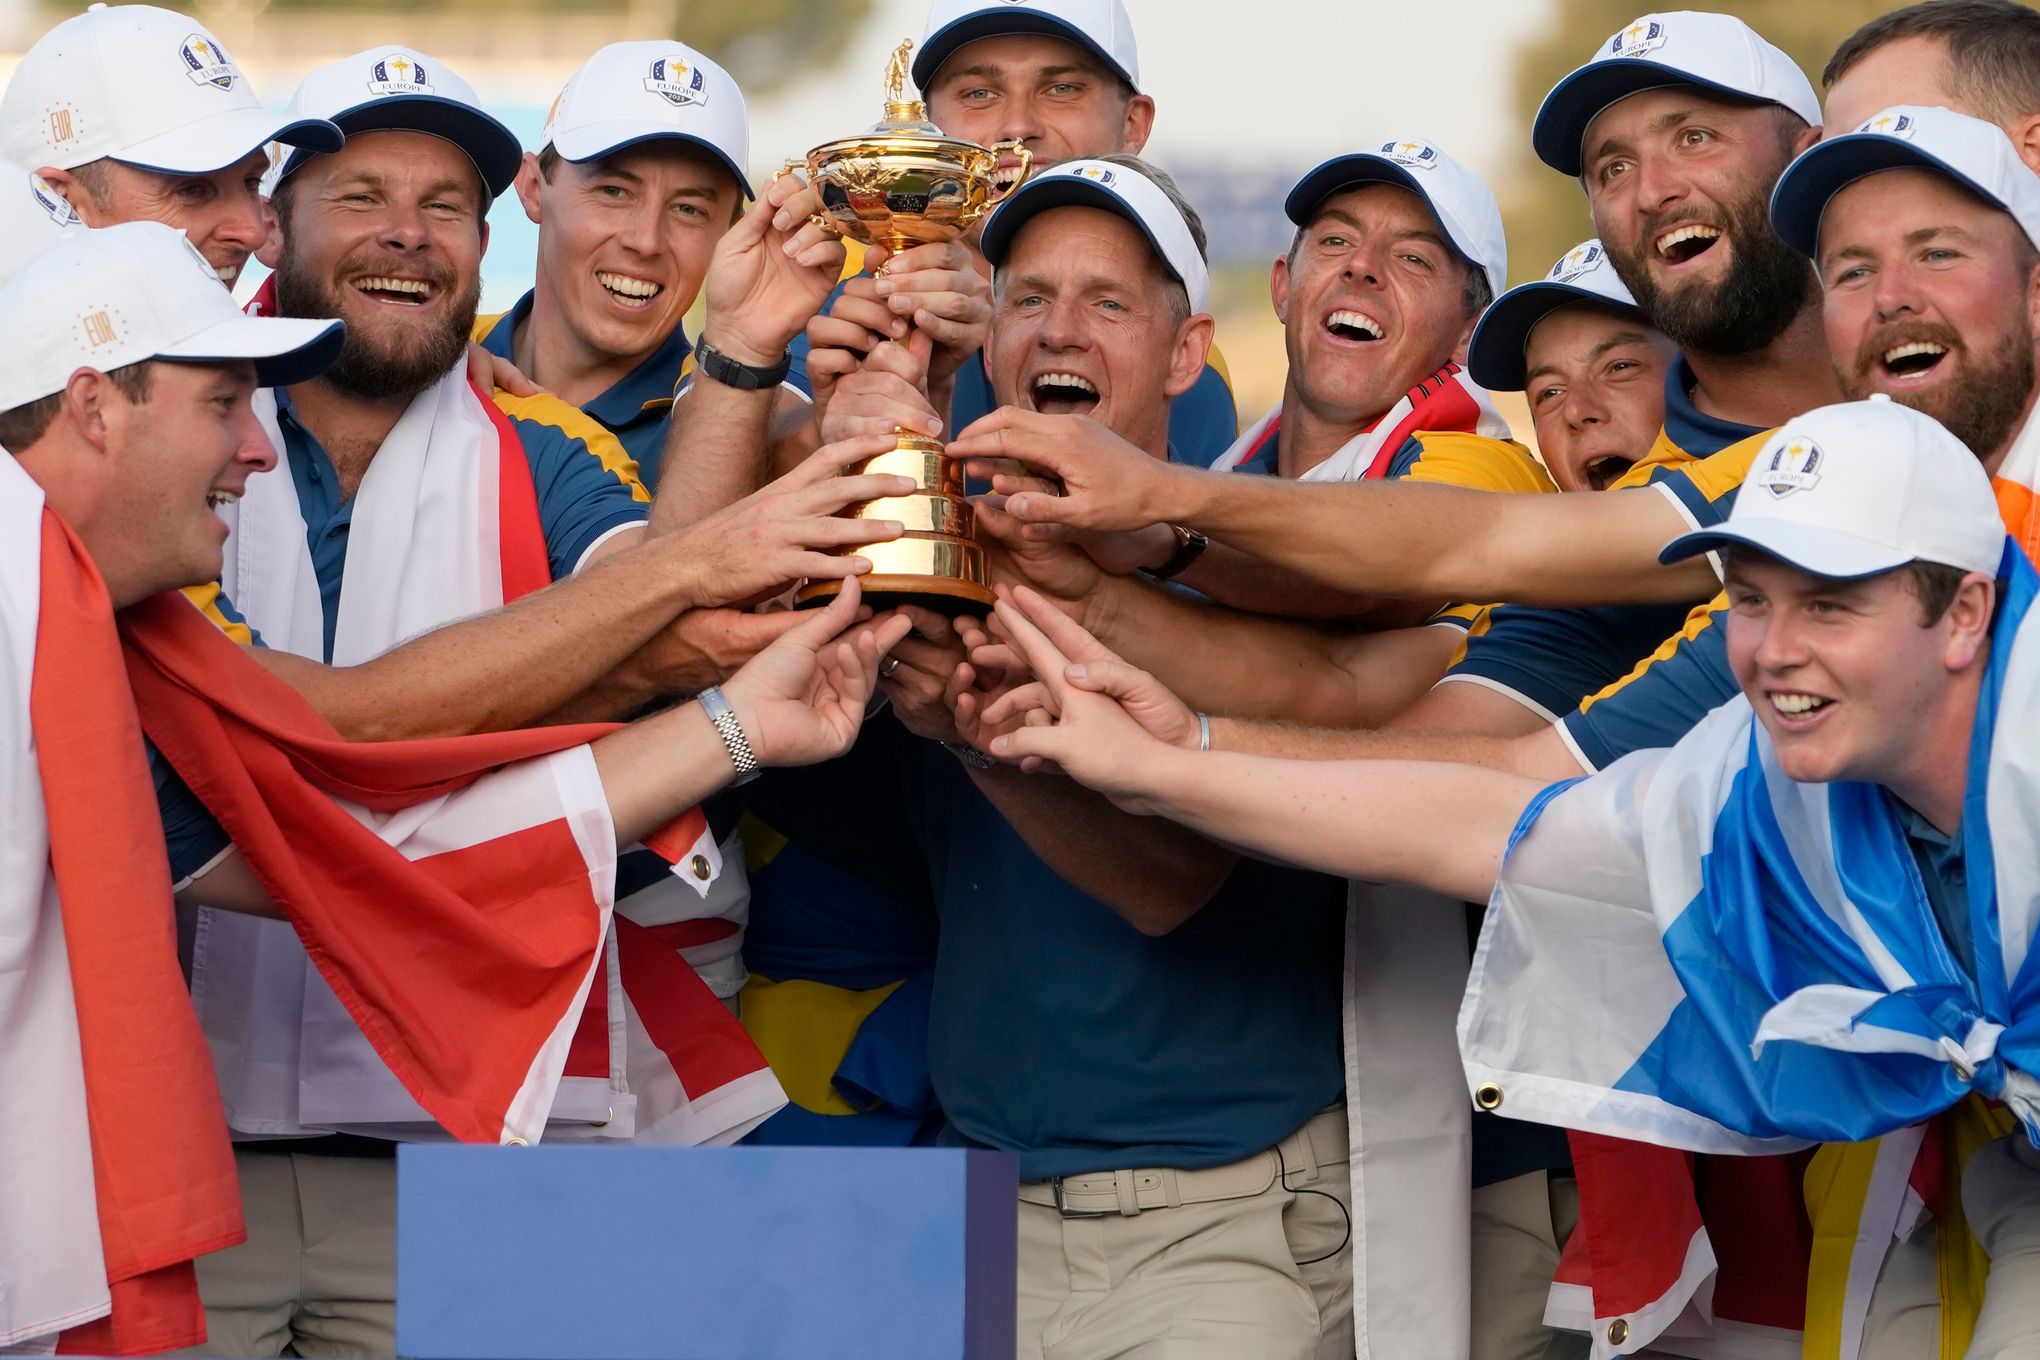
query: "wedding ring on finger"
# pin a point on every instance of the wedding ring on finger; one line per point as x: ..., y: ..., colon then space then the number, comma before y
x: 891, y: 664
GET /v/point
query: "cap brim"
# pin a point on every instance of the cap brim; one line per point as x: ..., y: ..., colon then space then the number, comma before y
x: 226, y: 139
x: 995, y: 21
x: 493, y: 148
x: 596, y: 140
x: 1823, y: 170
x: 284, y: 350
x: 1824, y: 552
x: 1575, y: 102
x: 1347, y: 172
x: 1495, y: 355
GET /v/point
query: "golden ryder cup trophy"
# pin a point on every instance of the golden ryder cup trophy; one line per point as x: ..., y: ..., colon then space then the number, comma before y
x: 900, y: 185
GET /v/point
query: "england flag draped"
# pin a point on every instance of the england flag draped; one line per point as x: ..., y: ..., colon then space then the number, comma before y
x: 1675, y: 952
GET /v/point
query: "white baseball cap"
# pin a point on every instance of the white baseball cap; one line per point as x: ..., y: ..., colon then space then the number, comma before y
x: 1861, y: 488
x: 1115, y: 188
x: 144, y: 86
x: 33, y: 217
x: 630, y: 93
x: 1717, y: 52
x: 119, y: 295
x: 1975, y: 154
x: 1582, y: 274
x: 1100, y: 25
x: 399, y: 89
x: 1458, y: 198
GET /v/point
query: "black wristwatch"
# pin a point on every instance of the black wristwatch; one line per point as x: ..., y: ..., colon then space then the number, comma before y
x: 722, y: 368
x: 1190, y: 545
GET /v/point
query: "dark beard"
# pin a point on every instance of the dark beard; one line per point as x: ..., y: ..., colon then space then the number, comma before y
x: 376, y: 370
x: 1767, y: 287
x: 1982, y: 407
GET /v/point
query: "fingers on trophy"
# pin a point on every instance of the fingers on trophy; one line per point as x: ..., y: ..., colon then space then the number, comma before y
x: 903, y: 184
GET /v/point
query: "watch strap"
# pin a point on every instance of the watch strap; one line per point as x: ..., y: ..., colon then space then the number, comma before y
x: 1190, y: 546
x: 732, y: 733
x: 730, y: 372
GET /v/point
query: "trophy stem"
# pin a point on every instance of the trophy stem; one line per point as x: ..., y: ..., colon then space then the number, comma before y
x: 935, y: 563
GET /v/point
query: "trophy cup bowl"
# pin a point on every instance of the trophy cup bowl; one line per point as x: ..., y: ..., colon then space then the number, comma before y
x: 900, y: 185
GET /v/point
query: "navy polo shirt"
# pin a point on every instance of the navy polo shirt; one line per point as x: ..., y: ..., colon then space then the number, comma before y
x: 638, y: 409
x: 1057, y: 1030
x: 584, y: 493
x: 1550, y: 659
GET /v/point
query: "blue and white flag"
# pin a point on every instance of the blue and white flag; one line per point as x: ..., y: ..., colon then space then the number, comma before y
x: 1694, y: 950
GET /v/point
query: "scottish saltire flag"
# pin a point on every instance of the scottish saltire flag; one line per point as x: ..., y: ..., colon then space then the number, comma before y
x: 1691, y: 949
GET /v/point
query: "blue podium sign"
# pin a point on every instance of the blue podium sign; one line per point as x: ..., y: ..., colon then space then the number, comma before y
x: 631, y: 1253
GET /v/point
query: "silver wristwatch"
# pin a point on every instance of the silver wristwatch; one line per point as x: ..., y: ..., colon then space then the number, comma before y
x: 732, y: 733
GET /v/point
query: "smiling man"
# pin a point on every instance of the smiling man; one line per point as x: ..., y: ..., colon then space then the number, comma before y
x: 134, y: 113
x: 638, y: 175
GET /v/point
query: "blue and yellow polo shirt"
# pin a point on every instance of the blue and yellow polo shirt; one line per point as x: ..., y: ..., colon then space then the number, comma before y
x: 1549, y: 659
x: 587, y: 488
x: 639, y: 408
x: 1687, y: 675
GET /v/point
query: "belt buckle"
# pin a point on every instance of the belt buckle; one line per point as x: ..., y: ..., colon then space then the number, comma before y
x: 1056, y: 1187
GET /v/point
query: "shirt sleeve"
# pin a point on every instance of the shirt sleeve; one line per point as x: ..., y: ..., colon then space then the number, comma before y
x: 1658, y: 702
x: 1469, y: 460
x: 1548, y: 660
x: 212, y: 602
x: 587, y: 483
x: 1703, y: 489
x: 194, y: 839
x: 1204, y: 422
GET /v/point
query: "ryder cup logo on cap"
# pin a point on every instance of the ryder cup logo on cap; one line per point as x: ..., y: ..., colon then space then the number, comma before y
x: 1714, y: 52
x: 1101, y: 27
x: 1460, y: 200
x: 207, y: 62
x: 1581, y: 259
x: 1858, y: 489
x: 1418, y: 155
x: 633, y: 93
x: 1645, y: 35
x: 1975, y: 154
x: 1495, y: 355
x: 1117, y: 189
x: 124, y: 294
x: 676, y: 82
x: 398, y: 73
x: 1791, y: 466
x: 143, y: 86
x: 399, y: 89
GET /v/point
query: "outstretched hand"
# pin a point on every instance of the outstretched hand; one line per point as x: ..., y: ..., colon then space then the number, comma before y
x: 785, y: 531
x: 1108, y: 737
x: 771, y: 272
x: 803, y: 699
x: 1107, y: 485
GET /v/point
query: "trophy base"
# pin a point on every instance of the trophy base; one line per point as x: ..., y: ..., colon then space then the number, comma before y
x: 884, y: 590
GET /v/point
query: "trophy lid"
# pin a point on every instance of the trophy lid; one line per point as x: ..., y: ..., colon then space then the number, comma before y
x: 903, y: 116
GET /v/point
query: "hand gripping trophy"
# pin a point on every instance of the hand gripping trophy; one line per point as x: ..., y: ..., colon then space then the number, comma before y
x: 900, y: 185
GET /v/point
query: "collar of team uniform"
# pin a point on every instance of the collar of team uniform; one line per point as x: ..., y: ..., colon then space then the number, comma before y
x: 1690, y: 429
x: 646, y: 390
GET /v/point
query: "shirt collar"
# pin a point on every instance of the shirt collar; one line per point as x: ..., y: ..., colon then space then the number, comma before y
x: 1692, y: 430
x: 650, y: 385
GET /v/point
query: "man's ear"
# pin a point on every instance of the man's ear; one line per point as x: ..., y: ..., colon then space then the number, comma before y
x: 1278, y: 288
x: 1140, y: 124
x: 1806, y: 138
x: 72, y: 192
x: 1969, y: 619
x: 526, y: 184
x: 270, y: 252
x: 1465, y: 341
x: 1188, y: 357
x: 86, y: 397
x: 2025, y: 135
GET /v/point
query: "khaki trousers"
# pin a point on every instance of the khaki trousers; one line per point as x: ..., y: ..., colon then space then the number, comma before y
x: 317, y: 1275
x: 1267, y: 1274
x: 2001, y: 1196
x: 1519, y: 1227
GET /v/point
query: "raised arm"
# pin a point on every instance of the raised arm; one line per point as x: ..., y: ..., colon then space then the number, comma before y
x: 1435, y: 826
x: 1397, y: 538
x: 771, y: 272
